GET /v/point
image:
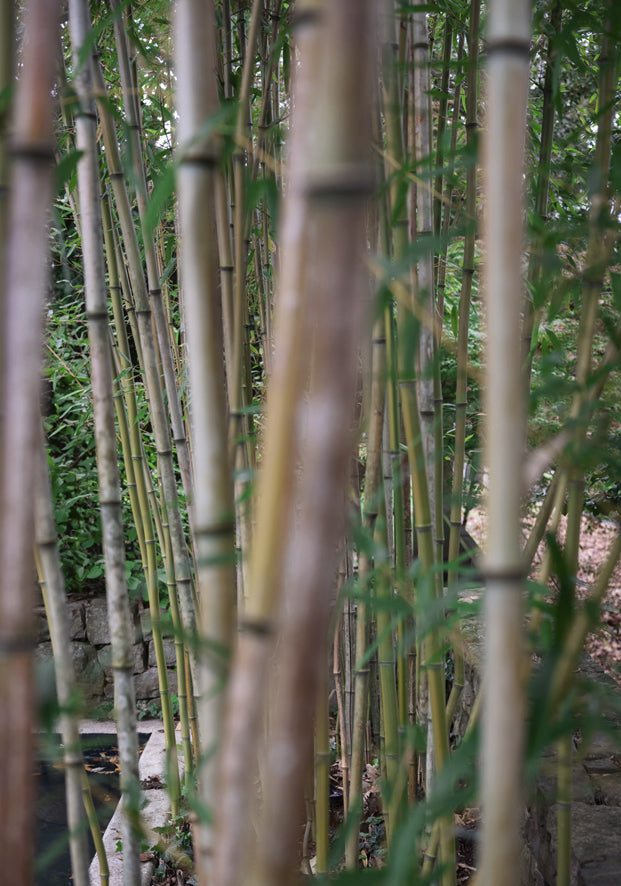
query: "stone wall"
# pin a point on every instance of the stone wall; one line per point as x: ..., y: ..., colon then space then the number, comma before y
x: 91, y: 652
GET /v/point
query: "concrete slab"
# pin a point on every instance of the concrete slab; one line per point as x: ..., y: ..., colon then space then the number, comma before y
x: 157, y: 805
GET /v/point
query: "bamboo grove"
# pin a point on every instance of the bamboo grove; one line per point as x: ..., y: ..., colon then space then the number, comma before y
x: 321, y: 252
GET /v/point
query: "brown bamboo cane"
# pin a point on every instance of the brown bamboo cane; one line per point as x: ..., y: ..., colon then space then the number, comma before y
x: 25, y: 283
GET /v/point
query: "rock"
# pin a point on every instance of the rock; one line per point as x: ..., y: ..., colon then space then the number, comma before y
x: 169, y: 653
x: 82, y: 654
x: 92, y: 682
x: 104, y: 656
x: 608, y: 788
x: 147, y: 684
x: 596, y: 848
x: 77, y: 625
x: 42, y: 631
x: 97, y: 630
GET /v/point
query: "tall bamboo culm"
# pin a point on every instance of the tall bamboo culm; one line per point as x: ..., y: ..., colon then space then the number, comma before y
x: 25, y: 284
x: 53, y: 590
x: 504, y: 711
x: 107, y: 454
x: 214, y: 514
x: 336, y: 178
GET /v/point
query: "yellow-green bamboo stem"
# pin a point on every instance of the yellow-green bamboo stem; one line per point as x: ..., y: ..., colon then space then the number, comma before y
x: 580, y: 627
x: 461, y: 391
x: 372, y: 496
x: 430, y: 645
x: 337, y: 674
x: 395, y: 345
x: 361, y: 690
x: 53, y: 590
x: 421, y: 227
x: 374, y: 504
x: 445, y: 198
x: 542, y: 189
x: 441, y: 129
x: 575, y: 494
x: 322, y: 778
x: 132, y: 112
x: 161, y: 429
x: 135, y: 470
x: 93, y: 820
x: 105, y: 442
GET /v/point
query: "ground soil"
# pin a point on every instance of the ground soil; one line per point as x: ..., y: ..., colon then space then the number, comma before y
x: 596, y: 537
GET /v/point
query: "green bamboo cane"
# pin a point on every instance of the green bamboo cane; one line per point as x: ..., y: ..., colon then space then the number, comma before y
x: 575, y: 496
x: 152, y: 583
x: 349, y: 655
x: 361, y: 689
x: 105, y: 444
x: 431, y: 649
x: 53, y: 590
x: 362, y: 670
x: 441, y: 129
x: 240, y: 383
x: 421, y: 226
x: 423, y: 301
x: 25, y: 284
x: 583, y: 622
x: 161, y: 429
x: 337, y: 674
x: 131, y: 105
x: 395, y: 160
x: 386, y: 656
x: 502, y: 775
x: 322, y: 777
x: 445, y: 198
x: 529, y: 329
x: 461, y: 390
x: 136, y: 468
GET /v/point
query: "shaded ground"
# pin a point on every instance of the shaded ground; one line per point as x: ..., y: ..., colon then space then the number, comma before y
x: 596, y: 537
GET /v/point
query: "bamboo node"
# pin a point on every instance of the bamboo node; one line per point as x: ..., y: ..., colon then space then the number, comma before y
x: 260, y: 626
x: 509, y: 45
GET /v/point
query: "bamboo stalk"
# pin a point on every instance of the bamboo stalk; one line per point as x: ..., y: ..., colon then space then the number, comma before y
x: 274, y: 499
x: 52, y: 587
x: 541, y: 194
x: 134, y: 467
x: 502, y: 778
x: 461, y: 391
x: 25, y: 283
x: 575, y: 486
x: 105, y: 444
x: 322, y: 777
x: 132, y: 112
x: 214, y: 515
x: 170, y: 501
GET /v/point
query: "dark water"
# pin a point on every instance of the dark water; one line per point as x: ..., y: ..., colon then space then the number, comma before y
x: 52, y: 859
